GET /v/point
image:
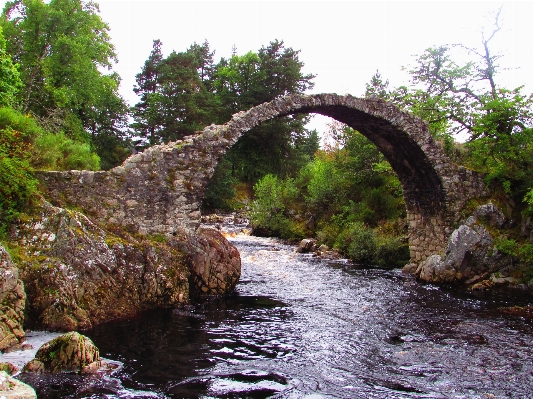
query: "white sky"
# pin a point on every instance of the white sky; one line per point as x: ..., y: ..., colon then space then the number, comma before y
x: 342, y: 42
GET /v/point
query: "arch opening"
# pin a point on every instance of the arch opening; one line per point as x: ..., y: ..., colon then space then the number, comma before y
x: 408, y: 156
x: 422, y: 186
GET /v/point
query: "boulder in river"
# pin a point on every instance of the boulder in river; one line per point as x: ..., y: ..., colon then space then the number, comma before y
x: 76, y: 274
x: 215, y: 264
x: 69, y: 352
x: 11, y: 388
x: 307, y: 245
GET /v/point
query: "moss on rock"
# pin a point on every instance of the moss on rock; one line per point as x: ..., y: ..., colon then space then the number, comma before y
x: 69, y: 352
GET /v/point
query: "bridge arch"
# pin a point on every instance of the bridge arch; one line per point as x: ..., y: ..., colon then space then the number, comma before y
x: 161, y: 189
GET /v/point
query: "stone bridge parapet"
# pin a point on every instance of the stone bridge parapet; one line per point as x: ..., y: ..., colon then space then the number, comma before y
x: 160, y: 190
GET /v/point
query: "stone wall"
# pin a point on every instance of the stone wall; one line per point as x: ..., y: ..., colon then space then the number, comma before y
x: 160, y: 190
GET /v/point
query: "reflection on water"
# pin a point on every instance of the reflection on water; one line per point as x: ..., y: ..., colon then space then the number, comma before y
x: 300, y: 327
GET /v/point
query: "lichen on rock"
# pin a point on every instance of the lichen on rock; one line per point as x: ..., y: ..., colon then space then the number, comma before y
x: 78, y: 275
x: 12, y: 302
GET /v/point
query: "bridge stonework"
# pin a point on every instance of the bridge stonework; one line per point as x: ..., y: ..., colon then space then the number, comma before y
x: 160, y: 190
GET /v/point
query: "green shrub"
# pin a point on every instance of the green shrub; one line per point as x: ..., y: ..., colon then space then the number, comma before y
x: 58, y: 152
x: 328, y: 233
x: 525, y: 253
x: 391, y: 252
x: 24, y: 124
x: 22, y: 137
x: 17, y: 185
x: 275, y: 199
x: 528, y: 200
x: 506, y: 245
x: 358, y: 243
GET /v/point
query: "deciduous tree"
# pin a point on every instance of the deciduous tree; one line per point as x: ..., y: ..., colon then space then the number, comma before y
x: 9, y: 76
x: 62, y: 48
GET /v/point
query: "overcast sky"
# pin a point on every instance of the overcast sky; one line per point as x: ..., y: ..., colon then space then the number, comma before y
x: 343, y: 42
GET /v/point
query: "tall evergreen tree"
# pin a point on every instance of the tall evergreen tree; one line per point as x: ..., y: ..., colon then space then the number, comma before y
x: 146, y: 113
x: 175, y: 100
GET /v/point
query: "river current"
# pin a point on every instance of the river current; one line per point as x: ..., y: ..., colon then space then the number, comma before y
x: 301, y: 327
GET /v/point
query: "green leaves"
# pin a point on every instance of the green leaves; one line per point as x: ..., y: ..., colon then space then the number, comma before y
x: 10, y: 81
x: 17, y: 185
x: 62, y: 46
x: 274, y: 204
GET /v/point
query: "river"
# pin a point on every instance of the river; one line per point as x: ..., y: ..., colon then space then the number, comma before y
x: 300, y: 327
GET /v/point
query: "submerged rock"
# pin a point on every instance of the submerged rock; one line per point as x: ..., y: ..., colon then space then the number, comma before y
x: 12, y: 302
x: 69, y: 352
x: 11, y: 388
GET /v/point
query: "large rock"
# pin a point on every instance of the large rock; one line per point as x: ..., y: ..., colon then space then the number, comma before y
x: 12, y: 301
x: 215, y: 264
x: 77, y: 275
x: 11, y: 388
x: 69, y: 352
x: 307, y: 245
x: 471, y: 254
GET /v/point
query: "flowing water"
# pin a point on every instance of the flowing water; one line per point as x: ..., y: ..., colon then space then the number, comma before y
x: 299, y: 327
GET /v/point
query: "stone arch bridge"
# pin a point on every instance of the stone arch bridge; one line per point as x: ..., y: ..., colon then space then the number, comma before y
x: 160, y: 190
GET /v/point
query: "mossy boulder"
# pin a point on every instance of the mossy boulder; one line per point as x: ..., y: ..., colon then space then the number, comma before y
x: 71, y: 352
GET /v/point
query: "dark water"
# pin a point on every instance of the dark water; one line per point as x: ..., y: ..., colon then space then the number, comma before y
x: 302, y: 328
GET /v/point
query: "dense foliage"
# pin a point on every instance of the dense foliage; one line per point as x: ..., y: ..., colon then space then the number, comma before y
x: 9, y: 75
x: 175, y: 95
x: 60, y: 48
x: 347, y: 197
x: 17, y: 185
